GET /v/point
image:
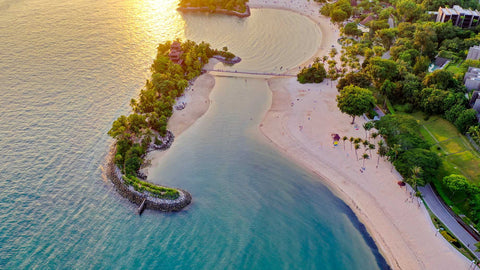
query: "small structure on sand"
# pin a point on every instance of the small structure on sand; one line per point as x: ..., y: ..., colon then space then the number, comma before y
x: 336, y: 139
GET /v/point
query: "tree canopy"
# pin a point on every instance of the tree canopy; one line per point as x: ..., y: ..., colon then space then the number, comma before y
x: 355, y: 101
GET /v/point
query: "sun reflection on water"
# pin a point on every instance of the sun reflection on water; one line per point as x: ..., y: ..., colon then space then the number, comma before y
x: 159, y: 18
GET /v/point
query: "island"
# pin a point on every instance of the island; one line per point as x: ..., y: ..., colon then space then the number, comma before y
x: 174, y: 69
x: 237, y: 8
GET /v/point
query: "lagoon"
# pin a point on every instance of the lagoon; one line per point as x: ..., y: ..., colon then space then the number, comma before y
x: 70, y: 68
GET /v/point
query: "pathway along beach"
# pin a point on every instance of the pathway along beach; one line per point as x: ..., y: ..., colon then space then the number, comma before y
x: 401, y: 229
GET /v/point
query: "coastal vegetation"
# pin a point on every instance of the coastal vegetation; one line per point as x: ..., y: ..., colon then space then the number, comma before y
x: 146, y: 127
x: 355, y: 101
x: 390, y: 55
x: 213, y: 5
x: 316, y: 73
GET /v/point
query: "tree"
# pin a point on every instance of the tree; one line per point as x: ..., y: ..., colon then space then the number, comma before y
x: 382, y: 151
x: 371, y: 147
x: 440, y: 79
x: 351, y: 29
x: 427, y: 160
x: 339, y: 15
x: 355, y: 101
x: 367, y: 126
x: 314, y: 74
x: 380, y: 70
x: 415, y: 179
x: 386, y: 36
x: 456, y: 183
x: 344, y: 139
x: 364, y: 156
x: 357, y: 146
x: 409, y: 10
x: 466, y: 119
x: 359, y: 79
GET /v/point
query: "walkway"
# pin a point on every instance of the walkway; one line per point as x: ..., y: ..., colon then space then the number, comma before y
x: 235, y: 72
x: 439, y: 210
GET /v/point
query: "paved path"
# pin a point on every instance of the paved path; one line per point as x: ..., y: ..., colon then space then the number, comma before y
x: 439, y: 210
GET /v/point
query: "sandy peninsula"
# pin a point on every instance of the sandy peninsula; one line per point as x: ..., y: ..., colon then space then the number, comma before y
x: 300, y: 122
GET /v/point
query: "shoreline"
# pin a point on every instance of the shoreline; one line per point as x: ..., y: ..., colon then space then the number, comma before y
x: 197, y: 104
x: 113, y: 173
x: 402, y: 231
x: 217, y: 11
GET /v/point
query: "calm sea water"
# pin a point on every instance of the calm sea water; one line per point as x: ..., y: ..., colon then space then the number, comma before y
x: 69, y: 68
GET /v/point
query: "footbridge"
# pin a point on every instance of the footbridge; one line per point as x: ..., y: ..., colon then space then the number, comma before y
x: 240, y: 73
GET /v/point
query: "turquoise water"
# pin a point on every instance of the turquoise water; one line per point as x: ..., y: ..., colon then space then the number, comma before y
x: 69, y: 69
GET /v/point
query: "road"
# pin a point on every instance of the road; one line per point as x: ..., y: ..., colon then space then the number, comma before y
x: 439, y: 210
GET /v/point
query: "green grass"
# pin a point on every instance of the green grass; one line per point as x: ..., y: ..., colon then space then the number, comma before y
x: 467, y: 163
x: 154, y: 190
x: 390, y: 107
x: 457, y: 154
x: 454, y: 67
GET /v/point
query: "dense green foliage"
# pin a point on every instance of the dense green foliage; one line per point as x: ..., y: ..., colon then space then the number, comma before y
x: 234, y: 5
x: 154, y: 190
x: 314, y: 74
x: 401, y: 79
x: 355, y: 101
x: 408, y: 149
x: 402, y: 130
x: 153, y: 108
x: 338, y: 11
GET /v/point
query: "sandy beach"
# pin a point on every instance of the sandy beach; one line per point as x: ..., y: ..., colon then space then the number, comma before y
x: 300, y: 122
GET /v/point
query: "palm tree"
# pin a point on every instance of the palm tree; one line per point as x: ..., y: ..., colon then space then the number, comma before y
x: 365, y: 144
x: 382, y: 150
x: 351, y: 142
x: 357, y: 146
x: 416, y: 171
x: 371, y: 147
x: 357, y: 140
x: 344, y: 139
x: 395, y: 149
x: 367, y: 126
x: 364, y: 156
x: 374, y: 135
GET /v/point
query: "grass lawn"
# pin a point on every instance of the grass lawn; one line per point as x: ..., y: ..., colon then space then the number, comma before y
x: 454, y: 67
x: 457, y: 154
x: 467, y: 163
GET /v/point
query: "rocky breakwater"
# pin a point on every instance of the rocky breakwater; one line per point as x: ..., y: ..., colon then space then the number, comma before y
x: 231, y: 61
x: 137, y: 191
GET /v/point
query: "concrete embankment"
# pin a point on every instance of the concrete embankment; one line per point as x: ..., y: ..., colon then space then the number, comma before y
x: 115, y: 175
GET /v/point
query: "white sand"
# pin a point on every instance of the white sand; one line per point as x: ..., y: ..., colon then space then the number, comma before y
x: 399, y: 225
x: 402, y: 229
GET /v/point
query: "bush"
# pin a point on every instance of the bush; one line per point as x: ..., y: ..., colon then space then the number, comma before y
x: 425, y: 159
x: 314, y: 74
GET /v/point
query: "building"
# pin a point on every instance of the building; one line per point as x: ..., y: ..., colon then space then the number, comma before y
x: 176, y: 53
x: 474, y: 53
x: 439, y: 63
x: 472, y: 79
x: 475, y: 102
x: 464, y: 18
